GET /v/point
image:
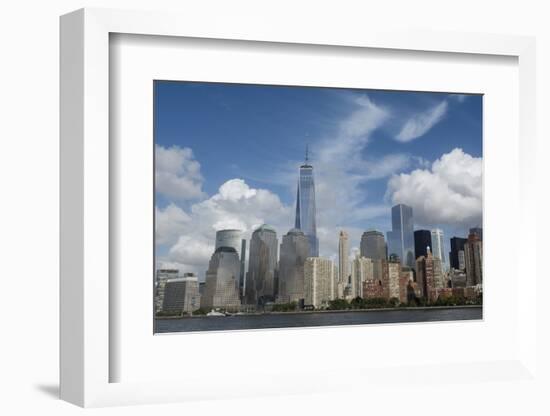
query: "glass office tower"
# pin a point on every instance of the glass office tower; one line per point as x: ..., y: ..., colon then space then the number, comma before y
x: 401, y: 238
x: 305, y: 207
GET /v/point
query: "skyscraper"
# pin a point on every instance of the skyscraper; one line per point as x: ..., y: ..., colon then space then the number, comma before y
x: 262, y: 264
x: 294, y: 251
x: 362, y: 270
x: 222, y: 280
x: 233, y: 238
x: 373, y: 245
x: 438, y: 247
x: 401, y: 238
x: 305, y: 206
x: 429, y: 275
x: 343, y: 258
x: 456, y: 255
x: 473, y: 257
x: 319, y: 281
x: 422, y: 240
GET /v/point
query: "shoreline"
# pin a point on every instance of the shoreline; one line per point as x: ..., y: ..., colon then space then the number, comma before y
x: 406, y: 308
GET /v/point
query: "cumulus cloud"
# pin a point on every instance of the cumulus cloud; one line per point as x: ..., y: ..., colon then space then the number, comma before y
x: 419, y: 124
x: 177, y: 173
x: 450, y: 193
x: 235, y: 205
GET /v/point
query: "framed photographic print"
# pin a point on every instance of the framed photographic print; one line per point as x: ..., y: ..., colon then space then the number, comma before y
x: 245, y: 204
x: 249, y: 236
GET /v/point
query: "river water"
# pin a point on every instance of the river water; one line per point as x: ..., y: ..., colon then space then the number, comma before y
x: 225, y: 323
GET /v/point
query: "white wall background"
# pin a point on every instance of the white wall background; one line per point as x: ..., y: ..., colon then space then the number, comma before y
x: 29, y: 184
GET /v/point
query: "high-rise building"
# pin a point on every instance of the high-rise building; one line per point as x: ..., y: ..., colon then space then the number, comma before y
x: 429, y: 275
x: 438, y: 247
x: 181, y: 294
x: 343, y: 258
x: 473, y: 258
x: 401, y: 238
x: 162, y: 276
x: 392, y: 272
x: 233, y: 238
x: 294, y: 251
x: 262, y: 265
x: 319, y: 281
x: 222, y: 280
x: 456, y: 255
x: 373, y: 245
x: 422, y: 240
x: 362, y: 270
x: 242, y: 279
x: 305, y: 206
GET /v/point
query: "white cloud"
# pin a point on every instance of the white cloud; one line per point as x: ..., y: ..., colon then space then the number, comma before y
x: 450, y: 193
x: 235, y: 205
x: 419, y: 124
x: 177, y: 173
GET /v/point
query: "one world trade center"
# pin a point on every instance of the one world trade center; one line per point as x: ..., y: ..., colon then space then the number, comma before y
x: 305, y: 207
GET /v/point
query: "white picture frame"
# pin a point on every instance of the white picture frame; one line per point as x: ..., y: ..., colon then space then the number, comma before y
x: 87, y: 356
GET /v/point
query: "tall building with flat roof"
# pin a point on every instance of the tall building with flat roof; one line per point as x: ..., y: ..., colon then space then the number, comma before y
x: 456, y: 255
x: 362, y: 270
x: 319, y: 282
x: 473, y: 257
x: 293, y: 254
x: 306, y: 211
x: 161, y: 277
x: 429, y: 275
x: 262, y: 266
x: 343, y: 258
x: 422, y: 240
x: 222, y: 280
x: 401, y: 237
x: 373, y: 245
x: 438, y: 246
x: 181, y: 294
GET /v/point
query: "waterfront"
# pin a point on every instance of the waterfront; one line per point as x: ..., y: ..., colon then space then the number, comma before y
x: 287, y: 320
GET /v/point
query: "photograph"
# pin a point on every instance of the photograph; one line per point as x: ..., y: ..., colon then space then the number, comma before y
x: 281, y: 206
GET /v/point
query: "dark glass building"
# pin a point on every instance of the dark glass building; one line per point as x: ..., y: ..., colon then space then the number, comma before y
x: 422, y: 240
x: 456, y: 255
x: 401, y: 238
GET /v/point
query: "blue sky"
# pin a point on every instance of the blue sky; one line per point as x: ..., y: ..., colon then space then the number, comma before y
x: 370, y: 149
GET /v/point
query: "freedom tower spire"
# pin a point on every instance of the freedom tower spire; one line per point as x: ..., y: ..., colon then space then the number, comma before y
x: 305, y: 206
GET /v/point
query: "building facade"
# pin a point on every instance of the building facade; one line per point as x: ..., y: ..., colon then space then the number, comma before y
x: 293, y: 254
x: 401, y: 237
x: 343, y: 259
x: 305, y: 207
x: 392, y: 273
x: 181, y: 295
x: 456, y: 255
x: 162, y: 276
x: 222, y: 280
x: 438, y: 246
x: 422, y: 240
x: 362, y: 270
x: 233, y: 238
x: 262, y: 266
x: 429, y: 276
x: 373, y: 245
x: 473, y: 258
x: 320, y: 283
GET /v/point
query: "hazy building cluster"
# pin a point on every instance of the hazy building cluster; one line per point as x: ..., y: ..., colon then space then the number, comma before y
x: 409, y: 265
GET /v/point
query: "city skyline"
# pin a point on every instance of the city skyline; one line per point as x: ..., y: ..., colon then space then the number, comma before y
x: 190, y: 209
